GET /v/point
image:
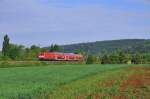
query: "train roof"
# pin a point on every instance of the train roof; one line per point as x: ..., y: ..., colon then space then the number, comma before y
x: 64, y: 53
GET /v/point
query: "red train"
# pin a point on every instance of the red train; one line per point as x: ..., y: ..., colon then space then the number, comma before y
x: 55, y: 56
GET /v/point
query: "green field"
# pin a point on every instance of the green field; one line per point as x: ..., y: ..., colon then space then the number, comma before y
x: 71, y: 82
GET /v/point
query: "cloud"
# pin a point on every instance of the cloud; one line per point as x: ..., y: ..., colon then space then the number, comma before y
x: 35, y: 22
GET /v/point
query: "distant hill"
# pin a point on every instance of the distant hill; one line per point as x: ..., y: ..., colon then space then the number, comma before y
x: 106, y: 47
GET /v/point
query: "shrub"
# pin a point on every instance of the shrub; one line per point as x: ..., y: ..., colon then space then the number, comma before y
x: 90, y: 60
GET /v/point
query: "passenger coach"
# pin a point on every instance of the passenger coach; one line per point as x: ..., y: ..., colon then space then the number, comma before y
x: 54, y: 56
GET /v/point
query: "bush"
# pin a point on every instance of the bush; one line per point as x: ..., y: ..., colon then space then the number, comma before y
x: 5, y: 58
x: 90, y: 60
x: 137, y: 59
x: 106, y: 59
x: 4, y: 64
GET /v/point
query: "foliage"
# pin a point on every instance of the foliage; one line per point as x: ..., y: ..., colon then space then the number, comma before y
x: 113, y: 59
x: 124, y: 58
x: 54, y: 48
x: 101, y: 48
x: 33, y: 52
x: 34, y: 47
x: 116, y: 58
x: 106, y: 52
x: 80, y: 52
x: 16, y: 52
x: 137, y: 59
x: 90, y: 60
x: 8, y: 63
x: 5, y: 58
x: 93, y: 60
x: 6, y: 46
x: 106, y: 59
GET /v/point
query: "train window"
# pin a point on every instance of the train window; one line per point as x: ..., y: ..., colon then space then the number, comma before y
x: 41, y: 54
x: 71, y: 57
x: 60, y: 57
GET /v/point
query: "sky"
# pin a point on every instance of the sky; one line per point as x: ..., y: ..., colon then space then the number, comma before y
x: 45, y: 22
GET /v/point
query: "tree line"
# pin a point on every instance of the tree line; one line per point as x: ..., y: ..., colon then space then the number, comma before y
x: 131, y: 46
x: 118, y: 58
x: 19, y: 52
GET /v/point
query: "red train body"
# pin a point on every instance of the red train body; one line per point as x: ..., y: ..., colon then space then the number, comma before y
x: 55, y: 56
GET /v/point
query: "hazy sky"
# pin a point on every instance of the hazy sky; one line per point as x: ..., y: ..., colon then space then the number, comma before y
x: 44, y: 22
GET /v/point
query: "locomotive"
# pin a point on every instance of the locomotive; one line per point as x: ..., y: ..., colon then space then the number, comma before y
x: 56, y: 56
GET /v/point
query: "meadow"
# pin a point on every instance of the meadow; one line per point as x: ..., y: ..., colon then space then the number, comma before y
x: 75, y: 82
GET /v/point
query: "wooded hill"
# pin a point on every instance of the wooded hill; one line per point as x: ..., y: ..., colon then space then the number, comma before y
x: 107, y: 47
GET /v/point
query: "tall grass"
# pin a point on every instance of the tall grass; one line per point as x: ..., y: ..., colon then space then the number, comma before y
x: 9, y: 64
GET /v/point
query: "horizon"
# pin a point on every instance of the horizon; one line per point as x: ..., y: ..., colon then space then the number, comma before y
x: 63, y: 22
x: 85, y: 42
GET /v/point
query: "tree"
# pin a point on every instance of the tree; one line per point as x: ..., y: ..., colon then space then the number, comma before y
x: 0, y: 55
x: 6, y: 46
x: 33, y: 52
x: 34, y: 47
x: 16, y: 52
x: 80, y: 52
x: 106, y: 59
x: 54, y: 48
x: 90, y: 60
x: 124, y: 58
x: 114, y: 58
x: 137, y: 59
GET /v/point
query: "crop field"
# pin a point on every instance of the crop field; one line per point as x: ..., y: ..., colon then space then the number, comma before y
x: 76, y: 82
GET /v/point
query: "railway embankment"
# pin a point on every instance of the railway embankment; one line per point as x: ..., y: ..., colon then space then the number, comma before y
x: 7, y: 64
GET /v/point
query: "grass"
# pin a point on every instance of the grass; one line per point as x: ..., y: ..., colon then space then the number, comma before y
x: 9, y: 64
x: 61, y: 81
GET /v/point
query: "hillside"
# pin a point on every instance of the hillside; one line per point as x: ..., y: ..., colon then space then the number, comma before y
x: 107, y: 47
